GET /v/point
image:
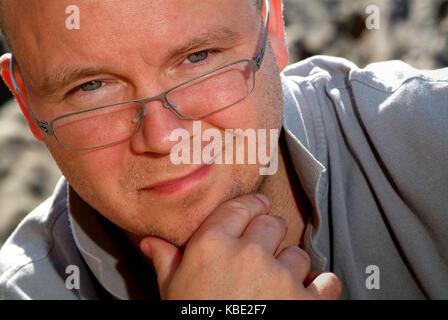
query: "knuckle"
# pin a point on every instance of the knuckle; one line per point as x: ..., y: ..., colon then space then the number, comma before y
x: 270, y: 222
x: 299, y: 254
x: 206, y: 239
x: 236, y: 203
x: 305, y: 257
x: 238, y: 209
x: 253, y: 252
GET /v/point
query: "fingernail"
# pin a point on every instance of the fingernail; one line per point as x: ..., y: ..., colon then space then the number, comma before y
x: 263, y: 199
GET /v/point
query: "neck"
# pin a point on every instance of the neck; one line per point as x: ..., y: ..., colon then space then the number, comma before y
x: 288, y: 199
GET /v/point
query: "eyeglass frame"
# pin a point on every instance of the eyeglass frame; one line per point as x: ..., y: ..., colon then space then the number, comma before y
x: 254, y: 63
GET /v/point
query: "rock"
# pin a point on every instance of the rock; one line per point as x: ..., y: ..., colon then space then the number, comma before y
x: 410, y: 30
x: 28, y: 174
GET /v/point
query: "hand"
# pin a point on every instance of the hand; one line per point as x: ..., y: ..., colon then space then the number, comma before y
x: 232, y: 256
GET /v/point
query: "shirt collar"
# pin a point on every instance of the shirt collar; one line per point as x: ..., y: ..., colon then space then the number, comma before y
x: 310, y: 171
x: 110, y: 257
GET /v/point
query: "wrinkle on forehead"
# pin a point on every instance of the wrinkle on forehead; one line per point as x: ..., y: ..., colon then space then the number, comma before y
x: 40, y: 23
x: 10, y: 8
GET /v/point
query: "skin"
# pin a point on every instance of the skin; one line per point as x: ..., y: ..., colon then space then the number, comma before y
x: 214, y: 226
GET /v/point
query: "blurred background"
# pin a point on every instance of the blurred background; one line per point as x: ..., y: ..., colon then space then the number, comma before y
x: 415, y: 31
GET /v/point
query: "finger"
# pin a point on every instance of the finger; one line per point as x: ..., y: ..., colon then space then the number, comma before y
x: 267, y: 231
x: 296, y: 260
x: 232, y: 216
x: 326, y: 286
x: 165, y: 258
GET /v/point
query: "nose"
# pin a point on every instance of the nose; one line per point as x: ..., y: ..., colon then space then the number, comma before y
x: 158, y: 123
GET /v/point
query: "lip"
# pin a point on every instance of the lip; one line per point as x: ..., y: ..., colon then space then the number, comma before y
x: 178, y: 184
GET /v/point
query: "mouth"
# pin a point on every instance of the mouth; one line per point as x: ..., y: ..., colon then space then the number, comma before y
x: 178, y: 184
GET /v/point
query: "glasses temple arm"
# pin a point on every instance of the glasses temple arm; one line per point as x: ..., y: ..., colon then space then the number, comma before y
x: 260, y: 55
x: 40, y: 124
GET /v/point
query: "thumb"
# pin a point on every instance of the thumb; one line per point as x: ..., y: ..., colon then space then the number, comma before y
x: 165, y: 258
x: 325, y: 286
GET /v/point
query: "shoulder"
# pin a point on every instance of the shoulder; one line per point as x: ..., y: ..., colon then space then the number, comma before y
x: 385, y: 77
x: 379, y: 93
x: 26, y: 258
x: 389, y: 113
x: 390, y: 109
x: 331, y: 69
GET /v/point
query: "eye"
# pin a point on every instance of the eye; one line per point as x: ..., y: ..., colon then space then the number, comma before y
x: 198, y: 56
x: 91, y: 85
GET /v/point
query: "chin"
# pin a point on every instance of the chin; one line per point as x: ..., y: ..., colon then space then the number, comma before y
x: 177, y: 221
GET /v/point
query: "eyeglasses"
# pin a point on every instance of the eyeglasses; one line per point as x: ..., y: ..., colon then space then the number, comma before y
x: 196, y: 98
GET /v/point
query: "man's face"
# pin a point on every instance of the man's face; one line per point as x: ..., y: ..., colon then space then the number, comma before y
x: 132, y: 49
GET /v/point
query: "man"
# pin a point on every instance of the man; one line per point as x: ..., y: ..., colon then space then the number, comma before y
x: 351, y: 193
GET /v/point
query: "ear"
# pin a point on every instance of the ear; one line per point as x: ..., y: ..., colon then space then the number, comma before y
x: 6, y: 75
x: 277, y: 33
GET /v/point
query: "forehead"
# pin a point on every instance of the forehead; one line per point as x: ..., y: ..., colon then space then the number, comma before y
x: 34, y: 23
x: 113, y: 29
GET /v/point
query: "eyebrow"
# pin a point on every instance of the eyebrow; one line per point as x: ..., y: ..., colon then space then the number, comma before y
x: 219, y: 34
x: 222, y: 35
x: 65, y: 76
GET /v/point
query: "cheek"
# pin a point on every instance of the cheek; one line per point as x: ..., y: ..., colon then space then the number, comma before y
x: 248, y: 113
x: 90, y: 170
x: 262, y: 109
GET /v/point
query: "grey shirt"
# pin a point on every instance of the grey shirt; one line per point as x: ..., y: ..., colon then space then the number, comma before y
x: 370, y: 148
